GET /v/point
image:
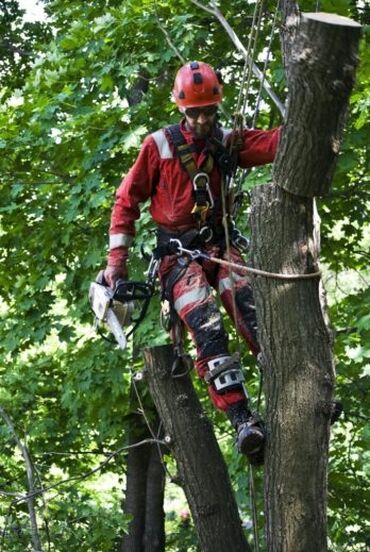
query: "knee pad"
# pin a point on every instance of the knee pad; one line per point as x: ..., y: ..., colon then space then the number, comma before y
x: 225, y: 373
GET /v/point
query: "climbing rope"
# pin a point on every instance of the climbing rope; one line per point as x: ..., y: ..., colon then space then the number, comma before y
x: 254, y: 53
x: 248, y: 61
x: 197, y: 254
x: 267, y: 59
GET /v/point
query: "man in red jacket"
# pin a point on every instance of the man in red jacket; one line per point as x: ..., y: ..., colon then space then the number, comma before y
x: 183, y: 169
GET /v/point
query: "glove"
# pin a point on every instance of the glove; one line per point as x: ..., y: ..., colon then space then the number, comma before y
x: 116, y: 267
x: 114, y: 273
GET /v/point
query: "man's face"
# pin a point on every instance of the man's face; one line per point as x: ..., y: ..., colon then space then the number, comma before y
x: 200, y: 120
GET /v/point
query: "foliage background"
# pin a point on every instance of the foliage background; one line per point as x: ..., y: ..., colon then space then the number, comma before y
x: 70, y: 125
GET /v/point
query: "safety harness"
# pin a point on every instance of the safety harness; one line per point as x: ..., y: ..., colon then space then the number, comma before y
x: 205, y: 211
x: 204, y: 202
x: 205, y: 206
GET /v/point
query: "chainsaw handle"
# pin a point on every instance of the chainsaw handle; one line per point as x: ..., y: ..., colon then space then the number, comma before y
x: 100, y: 279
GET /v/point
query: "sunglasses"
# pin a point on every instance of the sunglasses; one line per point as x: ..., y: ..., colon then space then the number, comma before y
x: 194, y: 112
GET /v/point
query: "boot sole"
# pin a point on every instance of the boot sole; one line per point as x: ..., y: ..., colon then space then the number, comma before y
x: 252, y: 443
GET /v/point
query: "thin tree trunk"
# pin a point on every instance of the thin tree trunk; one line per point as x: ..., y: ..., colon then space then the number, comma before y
x: 36, y: 541
x: 200, y: 463
x: 145, y: 482
x: 135, y: 495
x: 294, y: 338
x: 154, y: 538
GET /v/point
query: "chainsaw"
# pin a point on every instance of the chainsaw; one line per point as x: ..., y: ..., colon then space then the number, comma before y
x: 125, y: 306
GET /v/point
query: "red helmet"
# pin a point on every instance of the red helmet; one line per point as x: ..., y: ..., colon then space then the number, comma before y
x: 197, y: 84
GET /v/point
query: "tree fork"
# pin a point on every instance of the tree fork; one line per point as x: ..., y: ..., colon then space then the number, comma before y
x: 200, y: 463
x: 294, y: 338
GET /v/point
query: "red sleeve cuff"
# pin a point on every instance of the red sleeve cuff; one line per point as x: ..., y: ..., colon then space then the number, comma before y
x: 117, y: 256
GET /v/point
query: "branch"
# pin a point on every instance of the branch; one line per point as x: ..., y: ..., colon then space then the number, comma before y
x: 112, y: 455
x: 235, y: 39
x: 6, y: 44
x: 169, y: 41
x: 36, y: 543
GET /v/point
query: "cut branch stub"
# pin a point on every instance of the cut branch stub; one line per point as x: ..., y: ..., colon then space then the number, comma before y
x: 320, y: 79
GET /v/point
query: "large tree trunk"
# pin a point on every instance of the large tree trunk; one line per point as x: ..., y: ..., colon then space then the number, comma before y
x: 321, y: 71
x: 298, y: 373
x: 200, y: 463
x: 295, y: 341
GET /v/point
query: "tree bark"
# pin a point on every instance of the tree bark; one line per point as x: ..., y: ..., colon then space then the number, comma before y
x: 145, y: 482
x: 154, y: 537
x: 294, y: 338
x: 290, y: 16
x: 321, y: 72
x: 200, y: 463
x: 298, y: 372
x: 135, y: 495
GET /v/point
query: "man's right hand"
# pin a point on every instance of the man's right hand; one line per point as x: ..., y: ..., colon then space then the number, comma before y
x: 114, y: 273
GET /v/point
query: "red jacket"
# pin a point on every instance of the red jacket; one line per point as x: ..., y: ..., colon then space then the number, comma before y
x: 157, y: 173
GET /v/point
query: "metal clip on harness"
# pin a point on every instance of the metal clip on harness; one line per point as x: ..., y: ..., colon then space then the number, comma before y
x: 178, y: 249
x: 199, y: 187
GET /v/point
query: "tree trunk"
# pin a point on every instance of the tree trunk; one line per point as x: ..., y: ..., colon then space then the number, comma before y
x: 200, y: 463
x: 298, y: 371
x: 145, y: 481
x: 294, y: 338
x: 135, y: 496
x: 321, y: 72
x: 154, y: 538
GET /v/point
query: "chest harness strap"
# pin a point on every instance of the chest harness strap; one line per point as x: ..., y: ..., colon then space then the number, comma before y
x: 203, y: 198
x: 225, y: 160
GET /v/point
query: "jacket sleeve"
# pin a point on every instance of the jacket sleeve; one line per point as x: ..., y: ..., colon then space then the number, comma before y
x: 135, y: 188
x: 259, y: 148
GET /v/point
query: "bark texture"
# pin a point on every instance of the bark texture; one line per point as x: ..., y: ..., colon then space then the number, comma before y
x: 144, y: 495
x: 290, y: 21
x: 298, y: 370
x: 321, y: 72
x: 154, y: 537
x: 201, y: 466
x: 293, y: 334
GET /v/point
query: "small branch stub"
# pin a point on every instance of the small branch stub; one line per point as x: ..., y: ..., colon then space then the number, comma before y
x: 320, y: 79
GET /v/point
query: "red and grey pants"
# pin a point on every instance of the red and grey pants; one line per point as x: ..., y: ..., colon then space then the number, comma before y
x: 196, y: 306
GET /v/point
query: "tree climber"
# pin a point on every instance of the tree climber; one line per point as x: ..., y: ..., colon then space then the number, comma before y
x: 182, y: 169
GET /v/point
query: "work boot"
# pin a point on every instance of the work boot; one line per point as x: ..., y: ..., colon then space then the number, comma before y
x: 250, y: 437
